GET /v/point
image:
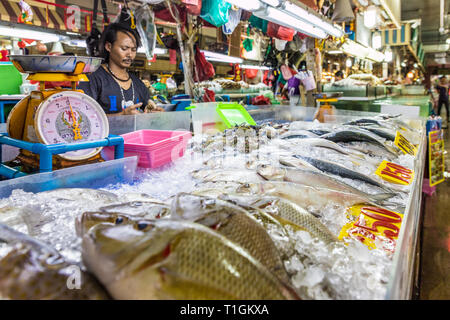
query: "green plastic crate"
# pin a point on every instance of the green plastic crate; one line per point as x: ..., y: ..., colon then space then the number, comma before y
x: 234, y: 114
x: 10, y: 79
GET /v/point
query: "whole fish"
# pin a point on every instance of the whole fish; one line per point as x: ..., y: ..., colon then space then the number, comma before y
x: 88, y: 220
x: 357, y: 135
x: 365, y: 121
x: 298, y: 134
x: 314, y: 179
x: 147, y: 209
x: 287, y: 213
x: 170, y: 259
x: 304, y: 196
x: 381, y: 132
x: 235, y: 223
x: 323, y: 143
x: 344, y: 172
x: 319, y: 132
x: 81, y: 194
x: 32, y: 270
x: 297, y: 163
x: 231, y: 175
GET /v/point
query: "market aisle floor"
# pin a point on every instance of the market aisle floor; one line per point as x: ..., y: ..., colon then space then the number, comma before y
x: 435, y: 255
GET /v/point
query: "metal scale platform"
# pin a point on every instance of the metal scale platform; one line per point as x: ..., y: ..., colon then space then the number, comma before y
x: 56, y: 128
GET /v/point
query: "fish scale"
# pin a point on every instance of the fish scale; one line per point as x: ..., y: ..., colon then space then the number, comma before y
x: 201, y: 264
x: 236, y: 224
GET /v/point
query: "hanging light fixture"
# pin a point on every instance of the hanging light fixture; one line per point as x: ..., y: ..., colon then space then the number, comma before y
x: 388, y: 55
x: 371, y: 17
x: 348, y: 63
x: 376, y: 40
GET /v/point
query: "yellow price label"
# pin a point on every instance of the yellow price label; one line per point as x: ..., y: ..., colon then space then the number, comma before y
x: 395, y: 173
x: 374, y: 226
x: 403, y: 144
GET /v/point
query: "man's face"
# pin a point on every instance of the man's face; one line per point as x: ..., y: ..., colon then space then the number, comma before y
x: 123, y: 51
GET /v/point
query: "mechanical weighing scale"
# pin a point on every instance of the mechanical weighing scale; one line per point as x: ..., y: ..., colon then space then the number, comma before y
x: 58, y: 128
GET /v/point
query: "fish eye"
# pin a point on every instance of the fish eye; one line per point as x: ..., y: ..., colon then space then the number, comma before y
x: 142, y: 225
x: 119, y: 220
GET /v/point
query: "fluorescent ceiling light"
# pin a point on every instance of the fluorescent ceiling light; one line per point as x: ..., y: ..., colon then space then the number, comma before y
x: 357, y: 50
x: 156, y: 51
x: 284, y: 19
x: 76, y: 43
x: 247, y: 66
x: 311, y: 18
x: 14, y: 32
x: 249, y: 5
x: 335, y: 52
x: 214, y: 56
x: 273, y: 3
x: 364, y: 2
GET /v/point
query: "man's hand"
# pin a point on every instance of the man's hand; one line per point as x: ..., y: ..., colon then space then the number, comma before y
x: 132, y: 109
x: 152, y: 107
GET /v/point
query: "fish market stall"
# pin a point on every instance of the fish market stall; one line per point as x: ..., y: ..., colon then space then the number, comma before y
x: 294, y: 206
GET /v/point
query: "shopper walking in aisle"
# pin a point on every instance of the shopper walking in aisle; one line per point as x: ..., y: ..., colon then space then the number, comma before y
x: 443, y: 88
x: 115, y: 89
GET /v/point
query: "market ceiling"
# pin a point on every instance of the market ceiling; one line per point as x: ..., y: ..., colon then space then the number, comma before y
x: 429, y: 12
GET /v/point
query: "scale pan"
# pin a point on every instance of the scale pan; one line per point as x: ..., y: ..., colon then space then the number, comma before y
x: 66, y: 64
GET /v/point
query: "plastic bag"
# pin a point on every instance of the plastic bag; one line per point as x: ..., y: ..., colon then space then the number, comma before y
x: 251, y: 73
x: 204, y: 69
x: 193, y: 7
x: 280, y: 45
x: 145, y: 25
x: 307, y: 79
x: 215, y: 12
x: 276, y: 31
x: 258, y: 23
x: 233, y: 21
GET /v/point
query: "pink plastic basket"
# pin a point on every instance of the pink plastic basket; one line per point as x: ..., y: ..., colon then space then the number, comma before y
x: 153, y: 148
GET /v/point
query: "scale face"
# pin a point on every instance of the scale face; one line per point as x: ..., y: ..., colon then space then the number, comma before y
x: 69, y: 117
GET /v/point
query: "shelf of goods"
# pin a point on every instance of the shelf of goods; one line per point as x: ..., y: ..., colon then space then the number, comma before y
x: 316, y: 264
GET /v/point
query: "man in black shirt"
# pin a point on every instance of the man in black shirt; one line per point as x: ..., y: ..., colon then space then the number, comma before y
x: 115, y: 89
x: 442, y: 88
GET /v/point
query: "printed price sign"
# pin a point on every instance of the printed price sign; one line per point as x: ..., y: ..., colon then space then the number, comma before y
x: 436, y: 157
x: 403, y: 144
x: 375, y: 227
x: 395, y: 173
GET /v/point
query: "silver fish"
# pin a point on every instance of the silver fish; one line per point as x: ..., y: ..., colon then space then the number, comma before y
x: 314, y: 179
x: 304, y: 196
x: 344, y: 172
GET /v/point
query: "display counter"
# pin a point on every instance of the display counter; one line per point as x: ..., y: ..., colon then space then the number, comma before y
x: 121, y: 175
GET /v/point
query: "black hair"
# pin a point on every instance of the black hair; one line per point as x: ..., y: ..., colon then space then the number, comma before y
x: 339, y: 74
x: 110, y: 35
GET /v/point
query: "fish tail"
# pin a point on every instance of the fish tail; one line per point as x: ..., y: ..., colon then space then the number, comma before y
x: 382, y: 196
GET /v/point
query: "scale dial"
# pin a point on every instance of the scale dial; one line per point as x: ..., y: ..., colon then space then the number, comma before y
x: 69, y: 117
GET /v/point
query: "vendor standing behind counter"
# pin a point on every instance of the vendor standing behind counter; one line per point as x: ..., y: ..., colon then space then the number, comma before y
x: 112, y: 86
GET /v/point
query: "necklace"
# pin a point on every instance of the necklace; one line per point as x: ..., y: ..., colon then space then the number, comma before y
x: 116, y: 77
x: 128, y: 103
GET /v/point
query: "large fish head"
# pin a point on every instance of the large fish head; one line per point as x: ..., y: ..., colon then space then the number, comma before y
x: 110, y: 250
x: 269, y: 172
x: 88, y: 220
x: 256, y: 188
x: 203, y: 209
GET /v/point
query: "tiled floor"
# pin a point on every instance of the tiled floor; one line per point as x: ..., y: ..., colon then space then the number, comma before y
x: 435, y: 252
